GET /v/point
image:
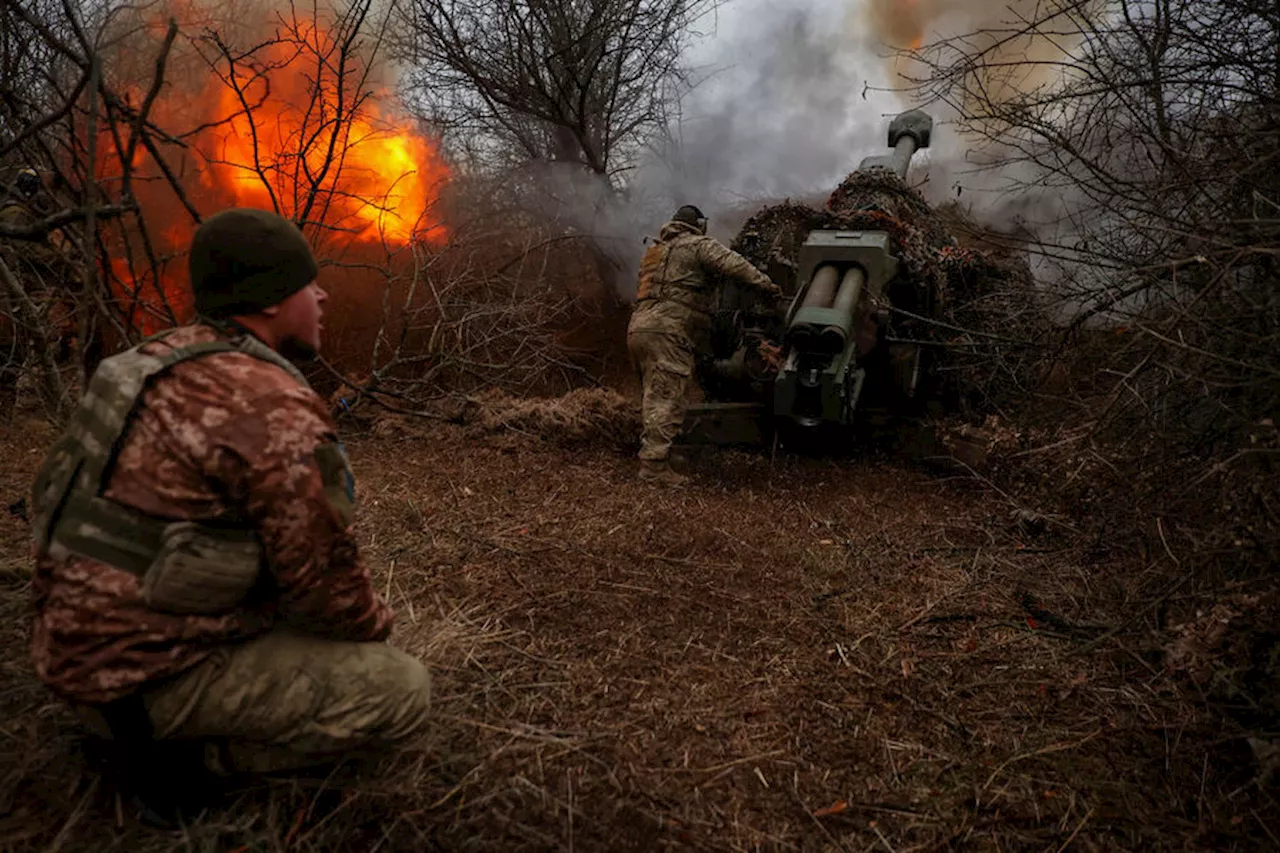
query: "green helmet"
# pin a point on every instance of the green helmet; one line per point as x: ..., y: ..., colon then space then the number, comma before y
x: 27, y: 183
x: 691, y: 215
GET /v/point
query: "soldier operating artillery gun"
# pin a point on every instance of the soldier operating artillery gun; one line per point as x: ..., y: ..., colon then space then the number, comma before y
x: 851, y: 341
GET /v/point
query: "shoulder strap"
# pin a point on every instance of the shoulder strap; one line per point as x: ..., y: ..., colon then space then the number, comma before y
x: 116, y: 391
x: 112, y: 399
x: 72, y: 515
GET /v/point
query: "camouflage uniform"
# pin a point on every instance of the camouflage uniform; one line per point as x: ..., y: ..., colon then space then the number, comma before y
x: 288, y: 669
x: 13, y: 345
x: 679, y: 281
x: 18, y: 205
x: 16, y: 215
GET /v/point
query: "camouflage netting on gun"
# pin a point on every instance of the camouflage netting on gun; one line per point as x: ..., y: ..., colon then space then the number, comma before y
x: 773, y: 236
x: 1001, y: 348
x: 882, y: 190
x: 989, y: 326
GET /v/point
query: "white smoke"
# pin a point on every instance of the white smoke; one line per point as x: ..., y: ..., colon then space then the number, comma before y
x: 789, y: 98
x: 794, y: 98
x: 799, y: 92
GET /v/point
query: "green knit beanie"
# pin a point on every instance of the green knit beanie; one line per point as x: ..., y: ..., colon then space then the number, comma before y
x: 243, y: 260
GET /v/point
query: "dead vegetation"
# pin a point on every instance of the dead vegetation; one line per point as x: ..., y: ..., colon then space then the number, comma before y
x: 803, y: 655
x: 794, y: 654
x: 37, y: 324
x: 1157, y: 240
x: 1154, y: 223
x: 583, y: 417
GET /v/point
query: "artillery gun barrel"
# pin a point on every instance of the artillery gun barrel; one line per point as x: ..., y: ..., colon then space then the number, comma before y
x: 835, y: 332
x: 908, y: 133
x: 820, y: 294
x: 905, y: 148
x: 850, y: 290
x: 822, y: 290
x: 899, y: 161
x: 834, y: 336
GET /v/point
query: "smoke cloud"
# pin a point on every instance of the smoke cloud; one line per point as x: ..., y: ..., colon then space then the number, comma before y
x: 1027, y: 61
x: 792, y: 96
x: 798, y: 93
x: 793, y: 99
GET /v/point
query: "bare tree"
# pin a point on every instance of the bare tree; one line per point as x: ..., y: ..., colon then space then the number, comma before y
x: 452, y: 319
x: 297, y: 147
x: 80, y: 86
x: 558, y: 96
x: 139, y: 133
x: 1155, y: 142
x: 586, y: 82
x: 62, y: 117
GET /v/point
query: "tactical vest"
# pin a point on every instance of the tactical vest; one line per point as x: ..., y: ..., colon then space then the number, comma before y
x: 184, y: 566
x: 655, y: 267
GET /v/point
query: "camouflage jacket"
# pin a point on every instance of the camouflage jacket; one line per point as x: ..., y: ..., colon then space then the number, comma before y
x: 221, y: 435
x: 15, y: 214
x: 680, y: 276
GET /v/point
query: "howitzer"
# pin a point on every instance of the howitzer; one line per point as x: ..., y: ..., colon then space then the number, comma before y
x: 811, y: 368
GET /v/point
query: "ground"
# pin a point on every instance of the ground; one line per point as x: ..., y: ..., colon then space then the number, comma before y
x: 791, y: 654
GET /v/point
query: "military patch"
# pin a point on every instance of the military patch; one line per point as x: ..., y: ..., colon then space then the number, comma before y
x: 339, y: 482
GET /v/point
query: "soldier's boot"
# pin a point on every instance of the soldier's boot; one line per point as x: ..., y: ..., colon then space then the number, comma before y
x: 166, y: 785
x: 660, y: 472
x: 166, y: 782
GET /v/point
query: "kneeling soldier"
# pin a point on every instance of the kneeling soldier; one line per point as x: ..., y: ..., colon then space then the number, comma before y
x: 198, y: 586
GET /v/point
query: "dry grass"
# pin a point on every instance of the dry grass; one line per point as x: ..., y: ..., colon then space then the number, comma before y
x: 583, y: 417
x: 804, y: 655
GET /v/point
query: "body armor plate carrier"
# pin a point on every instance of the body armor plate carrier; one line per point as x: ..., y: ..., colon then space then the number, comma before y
x: 184, y: 566
x: 655, y: 282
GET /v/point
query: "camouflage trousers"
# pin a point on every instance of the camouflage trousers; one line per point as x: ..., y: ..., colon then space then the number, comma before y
x: 666, y: 362
x: 287, y: 701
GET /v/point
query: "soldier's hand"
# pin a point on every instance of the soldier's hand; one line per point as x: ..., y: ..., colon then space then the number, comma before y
x: 768, y: 303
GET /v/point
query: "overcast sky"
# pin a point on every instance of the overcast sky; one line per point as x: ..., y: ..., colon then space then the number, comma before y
x: 786, y: 108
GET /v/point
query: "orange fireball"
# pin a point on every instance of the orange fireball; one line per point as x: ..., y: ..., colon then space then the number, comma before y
x: 318, y: 152
x: 292, y: 126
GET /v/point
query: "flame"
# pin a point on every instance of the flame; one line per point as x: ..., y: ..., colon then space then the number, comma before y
x: 901, y: 23
x: 276, y: 133
x: 274, y: 141
x: 1025, y: 61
